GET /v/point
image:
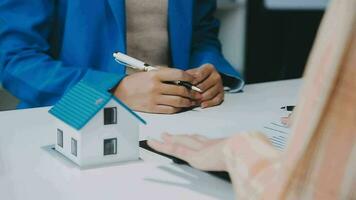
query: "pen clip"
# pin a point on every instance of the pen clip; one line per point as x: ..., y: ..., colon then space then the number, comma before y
x: 122, y: 63
x: 126, y: 65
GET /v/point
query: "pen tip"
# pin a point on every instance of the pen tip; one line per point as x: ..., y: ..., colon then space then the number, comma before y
x: 197, y: 89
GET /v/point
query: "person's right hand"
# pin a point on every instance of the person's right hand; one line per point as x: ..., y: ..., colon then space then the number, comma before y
x: 149, y: 92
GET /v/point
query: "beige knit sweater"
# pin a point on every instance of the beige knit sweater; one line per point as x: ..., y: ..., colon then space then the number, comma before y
x: 147, y: 31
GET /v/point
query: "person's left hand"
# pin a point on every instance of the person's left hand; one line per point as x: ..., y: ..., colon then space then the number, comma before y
x: 210, y: 82
x: 199, y: 151
x: 287, y: 120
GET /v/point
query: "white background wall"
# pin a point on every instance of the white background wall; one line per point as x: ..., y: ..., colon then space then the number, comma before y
x: 232, y: 14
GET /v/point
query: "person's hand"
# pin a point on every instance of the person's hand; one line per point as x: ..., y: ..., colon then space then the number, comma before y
x: 148, y: 92
x: 199, y: 151
x: 210, y: 82
x: 287, y: 120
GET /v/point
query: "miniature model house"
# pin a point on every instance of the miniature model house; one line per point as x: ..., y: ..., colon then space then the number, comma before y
x: 94, y: 127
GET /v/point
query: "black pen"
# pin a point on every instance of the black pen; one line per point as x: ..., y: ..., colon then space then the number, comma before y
x: 288, y: 108
x: 188, y: 85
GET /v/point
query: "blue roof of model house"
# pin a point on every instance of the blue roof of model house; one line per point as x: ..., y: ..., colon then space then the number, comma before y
x: 81, y: 103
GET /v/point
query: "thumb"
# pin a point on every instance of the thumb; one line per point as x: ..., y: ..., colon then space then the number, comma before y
x: 195, y: 74
x: 192, y: 72
x: 174, y: 75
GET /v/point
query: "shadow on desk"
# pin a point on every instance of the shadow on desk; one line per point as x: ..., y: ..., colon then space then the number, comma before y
x: 70, y: 164
x: 196, y: 181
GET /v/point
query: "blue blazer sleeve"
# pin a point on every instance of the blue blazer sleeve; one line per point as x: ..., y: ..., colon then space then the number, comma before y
x: 27, y: 68
x: 206, y: 47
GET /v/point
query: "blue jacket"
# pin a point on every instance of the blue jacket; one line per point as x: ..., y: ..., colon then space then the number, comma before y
x: 47, y: 46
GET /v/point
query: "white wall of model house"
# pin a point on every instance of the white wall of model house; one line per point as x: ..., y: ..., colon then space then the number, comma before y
x: 90, y: 139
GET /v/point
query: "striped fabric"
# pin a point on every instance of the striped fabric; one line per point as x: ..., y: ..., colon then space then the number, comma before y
x: 320, y: 161
x: 147, y: 32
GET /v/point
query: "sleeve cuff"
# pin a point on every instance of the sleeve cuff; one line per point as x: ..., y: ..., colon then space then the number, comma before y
x: 232, y: 84
x: 103, y: 80
x: 231, y: 78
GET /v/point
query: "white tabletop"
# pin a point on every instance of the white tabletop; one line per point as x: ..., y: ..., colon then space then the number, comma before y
x: 29, y: 169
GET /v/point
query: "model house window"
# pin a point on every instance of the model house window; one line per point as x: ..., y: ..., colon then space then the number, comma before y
x: 60, y: 138
x: 74, y: 147
x: 110, y: 146
x: 110, y: 116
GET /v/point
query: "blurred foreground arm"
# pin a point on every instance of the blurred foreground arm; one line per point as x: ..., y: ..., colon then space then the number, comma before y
x: 249, y: 158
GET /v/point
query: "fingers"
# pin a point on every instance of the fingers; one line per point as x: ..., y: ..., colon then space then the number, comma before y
x: 176, y: 90
x: 173, y: 75
x: 167, y: 137
x: 212, y: 80
x: 213, y: 88
x: 200, y: 137
x: 175, y: 150
x: 184, y: 140
x: 206, y: 157
x: 175, y: 101
x: 286, y: 120
x: 214, y: 96
x: 212, y: 92
x: 202, y: 73
x: 213, y: 102
x: 160, y: 146
x: 164, y: 109
x: 193, y: 72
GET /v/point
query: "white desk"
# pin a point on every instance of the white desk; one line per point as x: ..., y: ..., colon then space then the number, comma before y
x: 29, y: 171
